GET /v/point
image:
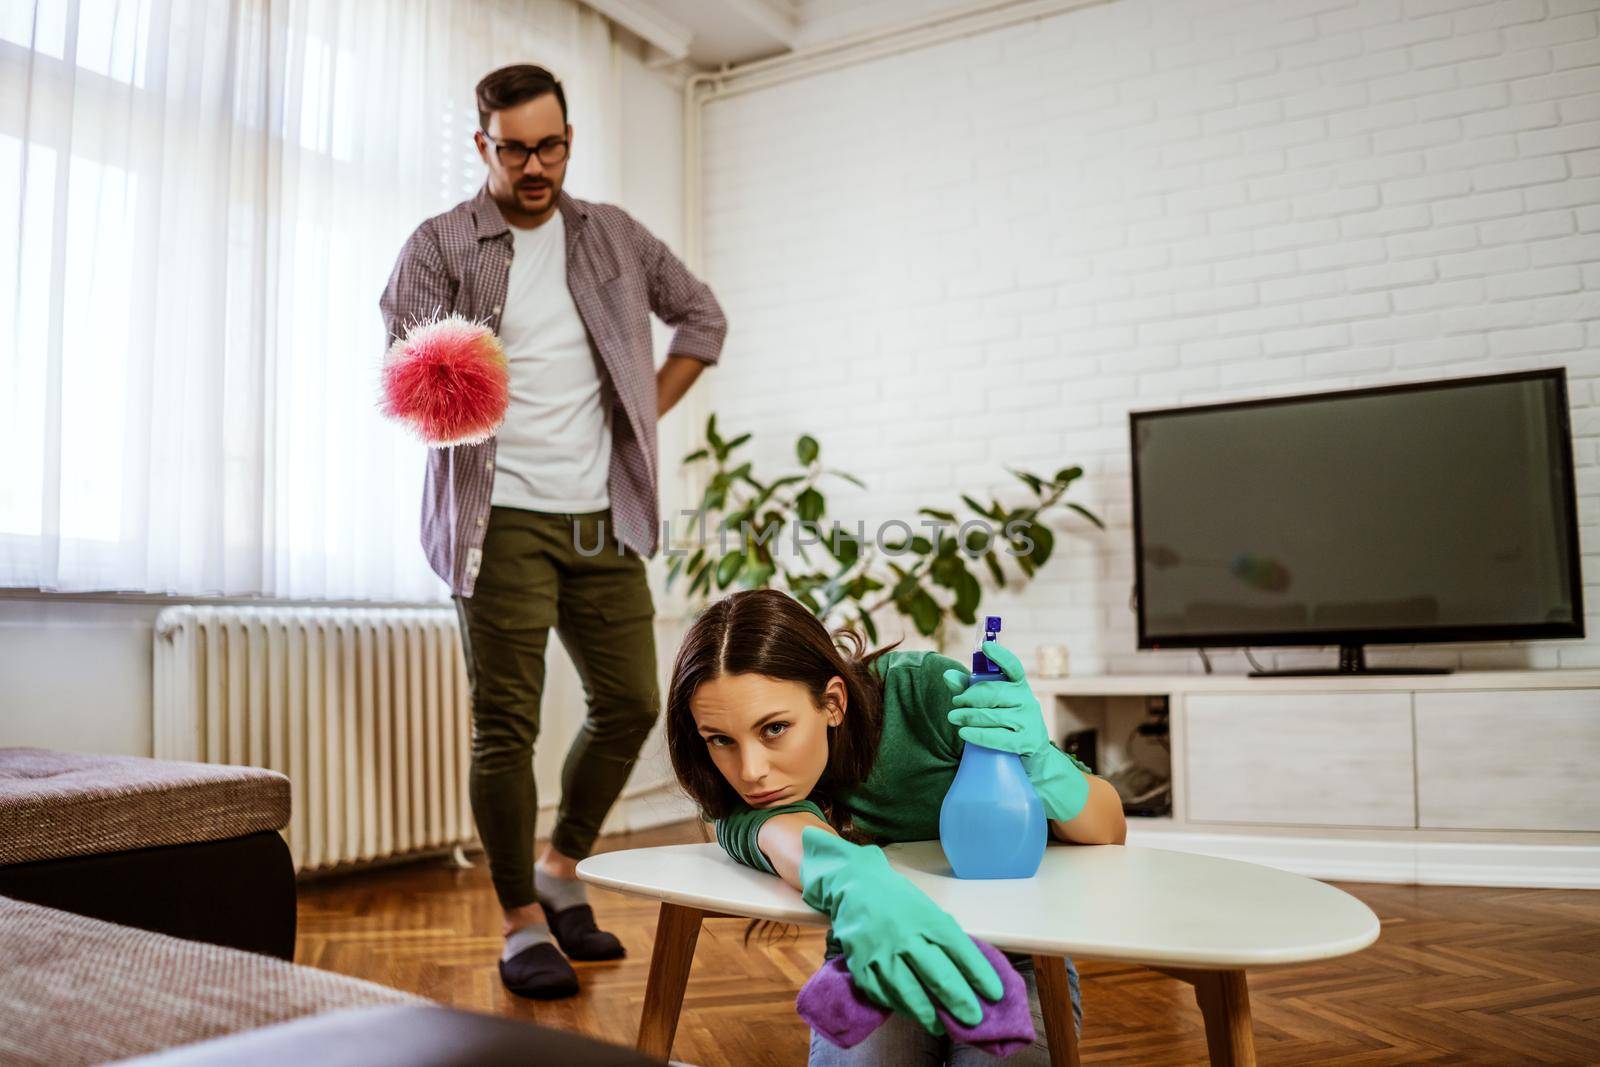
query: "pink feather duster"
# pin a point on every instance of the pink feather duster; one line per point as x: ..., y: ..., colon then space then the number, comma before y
x: 448, y: 381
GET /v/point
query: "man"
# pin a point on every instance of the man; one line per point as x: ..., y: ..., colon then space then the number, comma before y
x: 548, y: 524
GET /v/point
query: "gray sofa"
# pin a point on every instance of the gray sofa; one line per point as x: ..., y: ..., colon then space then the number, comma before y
x: 78, y: 991
x: 188, y: 849
x: 147, y: 910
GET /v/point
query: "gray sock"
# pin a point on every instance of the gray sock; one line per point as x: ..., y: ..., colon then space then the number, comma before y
x: 523, y: 938
x: 559, y: 893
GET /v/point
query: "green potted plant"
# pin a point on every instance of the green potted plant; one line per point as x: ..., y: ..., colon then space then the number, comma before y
x: 927, y: 577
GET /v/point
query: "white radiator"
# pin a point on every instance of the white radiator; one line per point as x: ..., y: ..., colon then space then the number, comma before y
x: 366, y: 710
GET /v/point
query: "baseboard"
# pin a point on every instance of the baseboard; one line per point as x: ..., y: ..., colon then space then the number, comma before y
x: 1397, y: 862
x: 1536, y: 866
x: 636, y: 809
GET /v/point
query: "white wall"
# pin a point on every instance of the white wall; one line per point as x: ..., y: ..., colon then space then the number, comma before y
x: 652, y: 191
x: 984, y: 253
x: 76, y: 674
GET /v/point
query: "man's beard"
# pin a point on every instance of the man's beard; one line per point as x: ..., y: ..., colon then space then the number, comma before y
x: 535, y: 189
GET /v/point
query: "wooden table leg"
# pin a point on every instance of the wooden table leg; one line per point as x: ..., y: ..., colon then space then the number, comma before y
x: 1224, y: 1001
x: 677, y: 930
x: 1055, y: 999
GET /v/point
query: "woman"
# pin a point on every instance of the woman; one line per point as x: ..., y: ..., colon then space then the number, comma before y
x: 807, y: 752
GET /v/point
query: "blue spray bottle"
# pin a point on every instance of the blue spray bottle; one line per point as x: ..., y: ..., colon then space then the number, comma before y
x: 992, y: 823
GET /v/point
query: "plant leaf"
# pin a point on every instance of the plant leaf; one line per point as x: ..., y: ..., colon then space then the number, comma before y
x: 702, y: 581
x: 994, y: 568
x: 728, y: 569
x: 925, y: 612
x: 904, y: 587
x: 809, y: 504
x: 993, y: 511
x: 845, y: 549
x: 944, y: 569
x: 1086, y: 513
x: 1033, y: 481
x: 1044, y: 540
x: 868, y: 625
x: 862, y: 584
x: 968, y: 593
x: 978, y: 540
x: 1067, y: 475
x: 806, y: 449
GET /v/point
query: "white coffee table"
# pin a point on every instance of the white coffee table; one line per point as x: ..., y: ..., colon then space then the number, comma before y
x: 1197, y: 918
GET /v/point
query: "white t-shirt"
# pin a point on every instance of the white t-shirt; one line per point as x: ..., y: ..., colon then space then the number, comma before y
x: 554, y: 450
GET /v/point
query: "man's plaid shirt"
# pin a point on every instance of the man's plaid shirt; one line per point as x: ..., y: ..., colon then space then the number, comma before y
x: 618, y: 273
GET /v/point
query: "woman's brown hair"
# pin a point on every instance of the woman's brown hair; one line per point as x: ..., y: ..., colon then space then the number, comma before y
x: 768, y: 632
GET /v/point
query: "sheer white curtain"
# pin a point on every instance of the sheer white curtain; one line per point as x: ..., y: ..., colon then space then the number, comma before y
x: 200, y: 201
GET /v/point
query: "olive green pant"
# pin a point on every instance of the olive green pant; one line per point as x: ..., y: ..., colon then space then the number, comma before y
x: 564, y: 570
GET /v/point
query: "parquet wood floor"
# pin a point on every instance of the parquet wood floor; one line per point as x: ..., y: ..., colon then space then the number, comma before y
x: 1459, y: 976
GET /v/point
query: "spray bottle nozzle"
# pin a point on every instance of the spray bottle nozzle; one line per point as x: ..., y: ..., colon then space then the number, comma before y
x: 982, y: 664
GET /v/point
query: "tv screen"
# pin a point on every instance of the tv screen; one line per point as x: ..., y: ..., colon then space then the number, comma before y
x: 1434, y: 511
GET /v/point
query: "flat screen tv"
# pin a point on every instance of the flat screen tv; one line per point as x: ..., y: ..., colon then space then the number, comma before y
x: 1429, y: 511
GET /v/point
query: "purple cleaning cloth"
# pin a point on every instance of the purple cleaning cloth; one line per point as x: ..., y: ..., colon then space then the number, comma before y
x: 832, y: 1005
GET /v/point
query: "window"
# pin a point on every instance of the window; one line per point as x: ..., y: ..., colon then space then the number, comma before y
x: 200, y: 202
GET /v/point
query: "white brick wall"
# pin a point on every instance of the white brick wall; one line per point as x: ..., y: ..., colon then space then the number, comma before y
x: 985, y: 253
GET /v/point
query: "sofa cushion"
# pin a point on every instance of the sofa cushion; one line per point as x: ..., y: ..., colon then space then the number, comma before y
x: 75, y: 990
x: 396, y: 1036
x: 55, y: 804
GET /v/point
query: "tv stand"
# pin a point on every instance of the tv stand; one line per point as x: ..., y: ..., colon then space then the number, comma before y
x: 1479, y: 777
x: 1352, y: 660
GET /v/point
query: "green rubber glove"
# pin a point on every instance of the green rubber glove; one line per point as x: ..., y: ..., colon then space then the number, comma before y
x: 1005, y: 715
x: 899, y: 945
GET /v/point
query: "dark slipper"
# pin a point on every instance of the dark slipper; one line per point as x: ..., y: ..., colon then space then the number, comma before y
x: 578, y: 936
x: 539, y: 972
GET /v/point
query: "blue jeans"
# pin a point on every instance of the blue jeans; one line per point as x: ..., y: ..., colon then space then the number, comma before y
x: 900, y: 1042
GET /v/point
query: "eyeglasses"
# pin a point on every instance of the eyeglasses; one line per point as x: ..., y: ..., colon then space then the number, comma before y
x: 551, y: 150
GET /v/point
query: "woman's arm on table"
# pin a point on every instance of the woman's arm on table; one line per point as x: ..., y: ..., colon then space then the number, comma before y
x: 1101, y: 821
x: 779, y: 841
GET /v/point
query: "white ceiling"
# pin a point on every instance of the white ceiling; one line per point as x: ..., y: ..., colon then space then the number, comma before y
x: 733, y: 31
x: 712, y: 33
